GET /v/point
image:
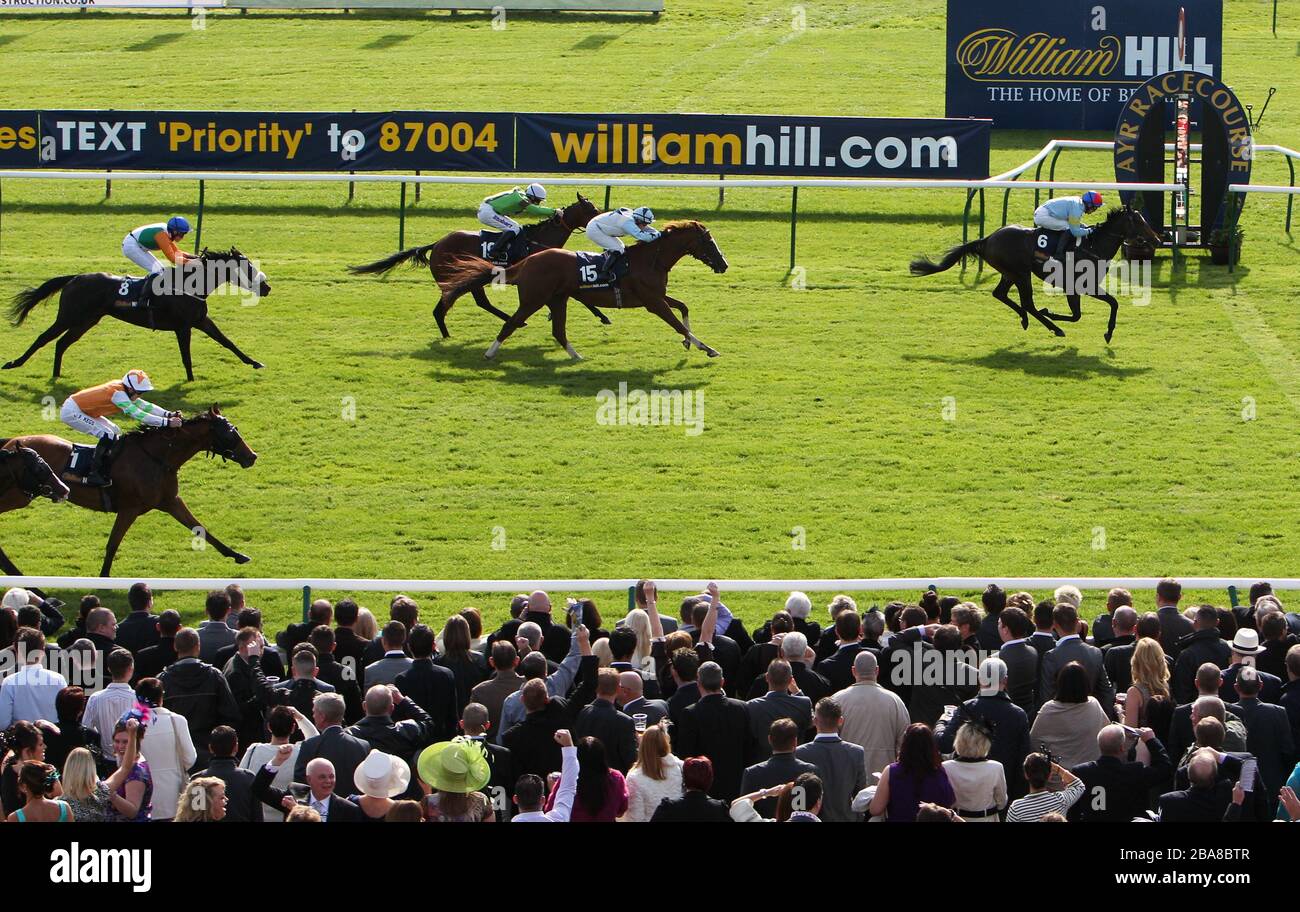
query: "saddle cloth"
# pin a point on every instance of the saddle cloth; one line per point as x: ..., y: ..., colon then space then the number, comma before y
x: 517, y: 251
x: 83, y: 458
x: 129, y: 288
x: 590, y: 274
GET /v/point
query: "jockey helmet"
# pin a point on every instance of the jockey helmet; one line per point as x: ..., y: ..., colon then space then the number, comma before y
x: 1092, y: 200
x: 535, y: 192
x: 137, y: 381
x: 178, y: 225
x: 643, y: 215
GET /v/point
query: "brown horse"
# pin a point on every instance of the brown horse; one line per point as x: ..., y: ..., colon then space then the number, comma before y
x: 441, y: 256
x: 1010, y: 250
x: 144, y: 474
x: 551, y: 277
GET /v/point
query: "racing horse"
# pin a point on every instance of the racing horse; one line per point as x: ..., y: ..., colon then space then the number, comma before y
x: 550, y: 277
x: 1010, y: 250
x: 179, y: 305
x: 442, y: 255
x: 144, y: 474
x: 25, y: 476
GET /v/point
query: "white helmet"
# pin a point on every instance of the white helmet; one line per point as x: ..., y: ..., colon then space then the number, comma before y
x: 643, y: 214
x: 535, y: 192
x: 138, y: 381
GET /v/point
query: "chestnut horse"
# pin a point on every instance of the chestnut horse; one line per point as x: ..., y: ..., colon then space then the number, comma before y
x: 144, y: 474
x: 459, y: 245
x: 549, y: 278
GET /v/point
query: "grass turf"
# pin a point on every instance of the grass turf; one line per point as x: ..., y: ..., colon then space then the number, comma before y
x: 825, y: 413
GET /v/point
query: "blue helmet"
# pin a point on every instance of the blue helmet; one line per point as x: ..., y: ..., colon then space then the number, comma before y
x: 1092, y: 199
x: 178, y: 224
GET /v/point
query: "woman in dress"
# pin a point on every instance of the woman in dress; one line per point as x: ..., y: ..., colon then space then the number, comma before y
x: 131, y: 785
x: 87, y: 795
x: 656, y: 775
x: 602, y: 792
x: 379, y: 779
x: 979, y: 783
x: 469, y: 668
x: 23, y: 741
x: 167, y: 747
x: 451, y: 774
x: 1067, y: 726
x: 916, y: 776
x: 37, y: 781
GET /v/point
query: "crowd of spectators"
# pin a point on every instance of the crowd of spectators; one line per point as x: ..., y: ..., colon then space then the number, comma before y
x: 939, y: 710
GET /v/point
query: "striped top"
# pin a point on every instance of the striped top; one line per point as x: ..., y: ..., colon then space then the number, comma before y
x: 1032, y: 808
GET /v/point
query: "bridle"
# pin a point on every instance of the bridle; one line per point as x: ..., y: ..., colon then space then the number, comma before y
x: 26, y: 480
x: 220, y: 424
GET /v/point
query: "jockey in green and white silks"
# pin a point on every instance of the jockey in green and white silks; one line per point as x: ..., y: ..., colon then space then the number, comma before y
x: 1065, y: 214
x: 608, y: 229
x: 499, y: 211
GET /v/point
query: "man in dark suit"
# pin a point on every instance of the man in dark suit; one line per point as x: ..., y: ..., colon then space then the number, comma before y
x: 1290, y: 699
x: 1117, y: 654
x: 1200, y: 646
x: 632, y: 701
x: 622, y: 646
x: 780, y: 767
x: 1022, y: 659
x: 138, y: 629
x: 322, y: 781
x: 320, y: 612
x: 272, y: 666
x: 1103, y: 627
x: 1268, y: 733
x: 431, y: 686
x: 348, y: 647
x: 1209, y: 799
x: 341, y: 677
x: 474, y: 724
x: 695, y: 805
x: 344, y: 751
x: 1070, y: 647
x: 994, y: 709
x: 1118, y: 789
x: 717, y: 727
x: 838, y: 667
x: 811, y: 683
x: 242, y: 805
x: 684, y: 666
x: 532, y: 745
x: 603, y: 720
x: 403, y: 609
x: 1246, y: 649
x: 726, y: 651
x: 1173, y: 626
x: 754, y: 662
x: 902, y: 661
x: 1182, y: 725
x: 994, y: 600
x: 555, y: 637
x: 1043, y: 638
x: 151, y: 660
x: 394, y: 723
x: 1276, y: 640
x: 841, y: 766
x: 778, y: 703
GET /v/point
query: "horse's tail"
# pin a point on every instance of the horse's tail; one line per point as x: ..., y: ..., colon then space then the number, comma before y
x: 923, y: 266
x: 26, y: 300
x: 413, y: 256
x: 467, y: 273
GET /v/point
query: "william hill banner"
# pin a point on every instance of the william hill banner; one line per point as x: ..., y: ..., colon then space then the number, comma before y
x: 751, y: 145
x: 1069, y: 64
x: 216, y: 141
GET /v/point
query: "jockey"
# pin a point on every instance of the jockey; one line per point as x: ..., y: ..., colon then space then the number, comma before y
x: 498, y: 211
x: 1065, y: 214
x: 608, y: 229
x: 88, y: 411
x: 161, y: 237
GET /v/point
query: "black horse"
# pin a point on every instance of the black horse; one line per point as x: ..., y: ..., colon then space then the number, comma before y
x: 179, y: 304
x: 1010, y: 250
x: 25, y: 476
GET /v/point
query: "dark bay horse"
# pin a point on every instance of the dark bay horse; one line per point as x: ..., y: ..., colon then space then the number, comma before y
x: 459, y: 245
x: 1010, y: 250
x: 180, y: 305
x: 25, y: 476
x: 144, y: 474
x: 549, y: 278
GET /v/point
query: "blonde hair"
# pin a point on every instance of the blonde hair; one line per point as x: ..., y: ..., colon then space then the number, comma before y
x: 971, y: 742
x: 1150, y: 668
x: 197, y: 800
x: 79, y: 774
x: 600, y: 649
x: 366, y: 626
x: 650, y: 753
x: 638, y: 621
x: 303, y: 814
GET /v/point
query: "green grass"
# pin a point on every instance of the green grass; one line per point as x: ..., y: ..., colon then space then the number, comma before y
x: 823, y: 413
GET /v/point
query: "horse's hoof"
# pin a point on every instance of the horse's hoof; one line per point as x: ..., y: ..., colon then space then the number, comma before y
x: 488, y: 356
x: 8, y: 365
x: 1107, y: 337
x: 686, y: 344
x: 242, y: 558
x: 1059, y: 332
x: 606, y: 321
x: 712, y: 352
x: 257, y: 365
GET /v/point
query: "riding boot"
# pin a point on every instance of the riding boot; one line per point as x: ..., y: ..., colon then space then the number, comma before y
x: 1062, y: 241
x: 502, y: 246
x: 98, y: 476
x: 607, y: 266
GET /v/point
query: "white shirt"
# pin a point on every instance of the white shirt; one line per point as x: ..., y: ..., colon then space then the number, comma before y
x: 29, y: 694
x: 978, y: 786
x: 104, y: 708
x: 564, y: 795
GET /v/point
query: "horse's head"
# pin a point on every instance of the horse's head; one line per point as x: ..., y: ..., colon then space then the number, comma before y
x: 578, y: 214
x: 36, y: 478
x: 233, y: 268
x: 224, y: 439
x: 700, y: 244
x: 1129, y: 222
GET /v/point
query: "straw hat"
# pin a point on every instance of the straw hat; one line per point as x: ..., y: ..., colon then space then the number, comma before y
x: 382, y: 775
x: 459, y: 766
x: 1246, y: 642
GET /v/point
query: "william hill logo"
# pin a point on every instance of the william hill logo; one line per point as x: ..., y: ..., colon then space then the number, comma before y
x: 1001, y: 54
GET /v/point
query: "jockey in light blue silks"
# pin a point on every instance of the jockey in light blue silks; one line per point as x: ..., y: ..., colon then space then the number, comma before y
x: 1065, y: 214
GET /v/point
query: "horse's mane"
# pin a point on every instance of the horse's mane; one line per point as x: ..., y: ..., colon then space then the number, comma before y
x: 682, y: 224
x: 230, y: 254
x: 145, y: 430
x: 1111, y: 215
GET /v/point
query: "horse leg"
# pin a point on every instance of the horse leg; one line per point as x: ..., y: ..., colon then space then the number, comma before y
x: 210, y: 328
x: 662, y: 310
x: 440, y: 315
x: 183, y: 340
x: 481, y: 299
x: 45, y: 338
x: 120, y: 526
x: 1001, y: 294
x: 559, y: 307
x: 596, y: 312
x: 182, y: 515
x: 1026, y: 289
x: 1114, y: 313
x: 526, y: 309
x: 67, y: 341
x: 7, y: 565
x: 681, y: 307
x: 1073, y: 301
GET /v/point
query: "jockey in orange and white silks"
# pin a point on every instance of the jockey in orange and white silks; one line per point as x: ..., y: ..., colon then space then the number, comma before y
x: 88, y: 411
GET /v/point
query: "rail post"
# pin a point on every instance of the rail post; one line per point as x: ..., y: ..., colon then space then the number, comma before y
x: 631, y: 598
x: 417, y: 186
x: 607, y: 197
x: 1051, y: 174
x: 401, y: 220
x: 306, y: 602
x: 721, y: 190
x: 794, y: 221
x: 1290, y: 199
x: 965, y: 223
x: 198, y: 228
